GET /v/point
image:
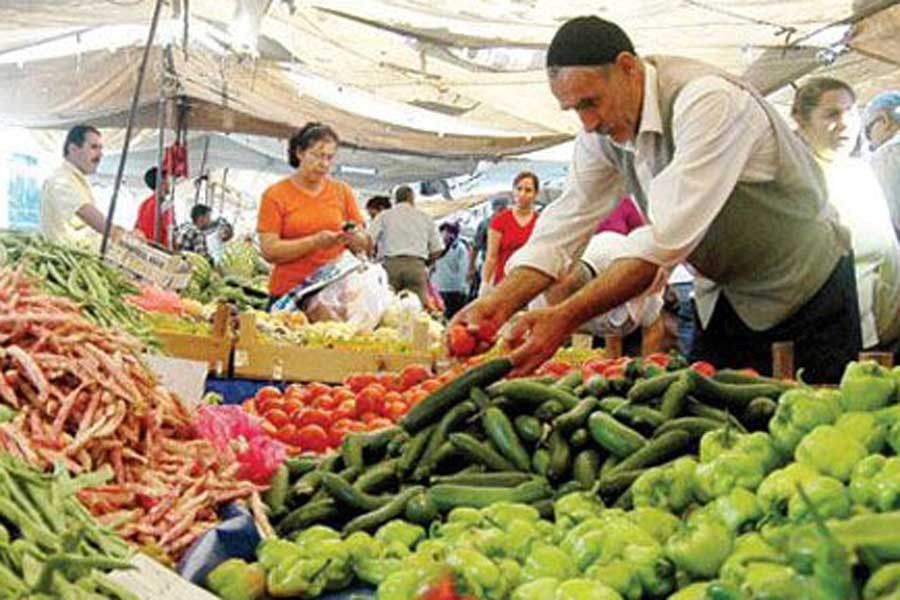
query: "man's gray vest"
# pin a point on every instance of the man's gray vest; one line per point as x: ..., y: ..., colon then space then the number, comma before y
x: 770, y: 248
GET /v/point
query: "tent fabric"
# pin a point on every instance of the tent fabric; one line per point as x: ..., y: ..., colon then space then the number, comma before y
x: 477, y: 63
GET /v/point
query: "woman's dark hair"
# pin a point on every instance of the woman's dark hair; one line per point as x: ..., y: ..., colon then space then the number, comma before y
x: 306, y: 136
x: 808, y: 95
x: 378, y: 203
x: 528, y: 175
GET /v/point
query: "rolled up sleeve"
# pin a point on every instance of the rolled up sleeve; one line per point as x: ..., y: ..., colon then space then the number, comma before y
x: 565, y: 226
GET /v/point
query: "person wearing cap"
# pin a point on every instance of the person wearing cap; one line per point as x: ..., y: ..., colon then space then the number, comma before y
x: 146, y: 218
x: 728, y: 188
x: 883, y: 131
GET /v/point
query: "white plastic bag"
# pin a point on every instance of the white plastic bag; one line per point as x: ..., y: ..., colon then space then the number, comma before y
x: 359, y: 298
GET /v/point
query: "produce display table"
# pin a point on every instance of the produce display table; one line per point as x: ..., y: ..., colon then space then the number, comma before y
x: 214, y: 349
x: 255, y: 357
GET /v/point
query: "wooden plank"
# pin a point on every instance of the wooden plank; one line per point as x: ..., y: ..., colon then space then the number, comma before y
x: 149, y: 580
x: 783, y: 360
x: 215, y: 350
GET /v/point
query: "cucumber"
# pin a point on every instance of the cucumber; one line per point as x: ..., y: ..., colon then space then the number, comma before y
x: 696, y: 426
x: 441, y: 400
x: 657, y: 451
x: 276, y: 496
x: 492, y: 479
x: 639, y: 417
x: 447, y: 497
x: 449, y: 421
x: 739, y: 377
x: 699, y: 409
x: 374, y: 519
x: 611, y: 486
x: 560, y: 457
x: 580, y: 438
x: 480, y: 453
x: 758, y: 413
x: 540, y: 461
x: 610, y: 462
x: 480, y: 398
x: 597, y: 386
x: 733, y: 396
x: 570, y: 380
x: 300, y: 465
x: 414, y: 450
x: 532, y: 393
x: 529, y: 428
x: 648, y: 389
x: 574, y: 418
x: 617, y: 438
x: 307, y: 515
x: 611, y: 404
x: 346, y: 494
x: 502, y: 434
x: 377, y: 477
x: 549, y: 410
x: 585, y: 468
x: 674, y: 397
x: 420, y: 509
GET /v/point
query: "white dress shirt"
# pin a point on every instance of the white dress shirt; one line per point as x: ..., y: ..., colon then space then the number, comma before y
x: 886, y: 163
x: 62, y: 195
x: 722, y: 136
x: 404, y: 230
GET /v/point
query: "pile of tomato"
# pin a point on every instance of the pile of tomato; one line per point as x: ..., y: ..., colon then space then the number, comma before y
x: 315, y: 417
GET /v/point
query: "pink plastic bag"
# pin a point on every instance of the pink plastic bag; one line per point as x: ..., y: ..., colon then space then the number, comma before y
x: 239, y: 436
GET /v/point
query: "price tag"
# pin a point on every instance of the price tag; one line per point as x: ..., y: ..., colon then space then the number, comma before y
x: 240, y: 358
x: 277, y: 369
x: 582, y: 341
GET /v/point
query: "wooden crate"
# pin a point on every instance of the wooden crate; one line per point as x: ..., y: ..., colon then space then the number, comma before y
x: 255, y: 357
x: 215, y: 349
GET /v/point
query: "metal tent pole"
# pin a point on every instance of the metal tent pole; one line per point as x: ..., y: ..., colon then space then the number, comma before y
x: 142, y: 70
x: 161, y: 110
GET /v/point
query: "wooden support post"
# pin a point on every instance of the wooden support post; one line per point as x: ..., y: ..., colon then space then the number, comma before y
x: 783, y: 360
x: 614, y: 347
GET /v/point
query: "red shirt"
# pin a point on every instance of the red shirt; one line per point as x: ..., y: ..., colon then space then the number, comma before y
x: 512, y: 237
x: 147, y: 216
x: 623, y: 219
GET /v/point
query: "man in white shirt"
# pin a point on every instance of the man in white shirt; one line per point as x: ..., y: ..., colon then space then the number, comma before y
x: 728, y: 189
x: 408, y: 240
x: 68, y: 213
x: 883, y: 130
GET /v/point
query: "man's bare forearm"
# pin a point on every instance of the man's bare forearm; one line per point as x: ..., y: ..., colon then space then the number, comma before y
x: 625, y: 279
x: 521, y: 286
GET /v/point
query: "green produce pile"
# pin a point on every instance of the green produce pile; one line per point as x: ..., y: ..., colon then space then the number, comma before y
x: 650, y: 485
x: 83, y: 278
x: 209, y: 285
x: 50, y: 545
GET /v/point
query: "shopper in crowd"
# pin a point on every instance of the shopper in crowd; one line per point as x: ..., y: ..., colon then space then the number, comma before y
x: 883, y: 131
x: 730, y: 190
x: 191, y: 237
x: 304, y: 220
x: 145, y: 224
x: 450, y: 276
x: 510, y: 229
x: 408, y: 240
x: 624, y: 219
x: 479, y: 244
x: 218, y: 235
x: 376, y: 205
x: 69, y: 214
x: 825, y: 110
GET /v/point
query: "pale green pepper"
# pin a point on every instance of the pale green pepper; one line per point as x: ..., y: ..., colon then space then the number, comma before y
x: 780, y: 486
x: 658, y: 523
x: 694, y: 591
x: 585, y: 589
x: 864, y: 428
x: 884, y: 583
x: 700, y: 547
x: 502, y: 513
x: 875, y: 483
x: 668, y: 487
x: 799, y: 411
x: 830, y: 452
x: 537, y: 589
x: 402, y: 585
x: 234, y: 579
x: 829, y: 496
x: 400, y: 531
x: 620, y: 575
x: 866, y: 386
x: 577, y: 507
x: 547, y: 561
x: 735, y: 509
x: 475, y: 566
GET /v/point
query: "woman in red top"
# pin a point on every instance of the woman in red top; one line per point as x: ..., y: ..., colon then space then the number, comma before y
x: 510, y: 229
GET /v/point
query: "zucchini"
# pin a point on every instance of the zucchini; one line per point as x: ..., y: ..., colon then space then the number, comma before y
x: 696, y: 426
x: 585, y: 468
x: 570, y: 380
x: 374, y: 519
x: 529, y: 428
x: 575, y: 417
x: 377, y: 477
x: 549, y: 410
x: 532, y: 393
x: 560, y: 457
x: 502, y: 434
x: 617, y: 438
x: 447, y: 497
x: 414, y: 450
x: 612, y: 485
x: 740, y: 377
x: 449, y: 421
x: 648, y: 389
x: 733, y: 396
x: 657, y: 451
x: 480, y: 453
x: 442, y: 399
x: 611, y: 404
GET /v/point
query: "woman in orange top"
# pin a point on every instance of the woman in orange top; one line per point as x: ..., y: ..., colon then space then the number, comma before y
x: 302, y: 218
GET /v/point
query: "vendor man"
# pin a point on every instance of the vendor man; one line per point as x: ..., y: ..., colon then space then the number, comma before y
x: 68, y: 213
x: 728, y: 189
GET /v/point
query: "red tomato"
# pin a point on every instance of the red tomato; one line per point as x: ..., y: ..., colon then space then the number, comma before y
x: 461, y: 342
x: 658, y: 358
x: 286, y: 433
x: 315, y: 416
x: 312, y: 437
x: 316, y: 389
x: 267, y: 393
x: 378, y: 423
x: 292, y: 405
x: 295, y: 390
x: 368, y: 417
x: 412, y: 375
x: 554, y: 367
x: 395, y: 410
x: 414, y: 397
x: 344, y: 410
x: 358, y: 381
x: 326, y: 402
x: 389, y: 381
x: 614, y: 372
x: 368, y: 399
x: 487, y: 331
x: 277, y: 417
x: 704, y: 368
x: 431, y: 385
x: 386, y: 401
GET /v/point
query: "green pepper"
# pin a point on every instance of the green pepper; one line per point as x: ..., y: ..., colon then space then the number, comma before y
x: 718, y: 590
x: 884, y: 583
x: 779, y: 487
x: 668, y: 487
x: 735, y: 509
x: 308, y: 538
x: 577, y: 507
x: 464, y: 514
x: 376, y: 570
x: 299, y: 577
x: 338, y: 574
x: 799, y: 411
x: 655, y: 571
x: 729, y: 470
x: 511, y: 572
x: 875, y: 483
x: 866, y: 386
x: 829, y: 495
x: 658, y: 523
x: 700, y: 547
x: 402, y: 585
x: 864, y: 428
x: 585, y: 589
x: 620, y: 575
x: 400, y: 531
x: 545, y: 560
x: 747, y: 547
x: 694, y: 591
x: 893, y: 437
x: 542, y: 588
x: 234, y: 579
x: 503, y: 513
x: 475, y: 566
x: 830, y: 452
x: 360, y: 545
x: 521, y: 535
x: 274, y: 551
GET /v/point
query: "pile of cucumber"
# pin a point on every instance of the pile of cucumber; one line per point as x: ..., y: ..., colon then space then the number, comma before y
x: 482, y: 439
